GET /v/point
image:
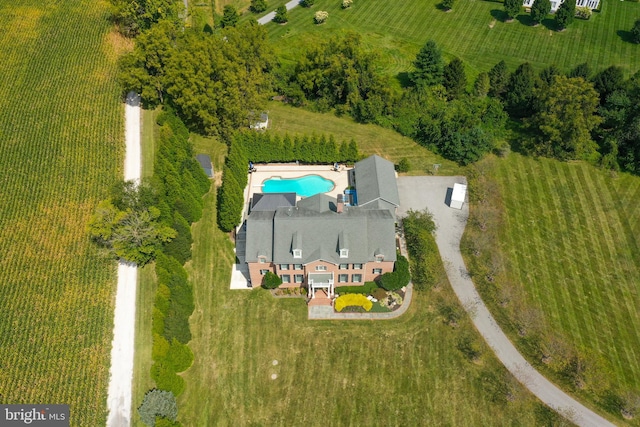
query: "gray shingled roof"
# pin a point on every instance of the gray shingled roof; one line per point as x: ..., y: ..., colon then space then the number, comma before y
x: 272, y: 201
x: 317, y: 228
x: 205, y: 162
x: 375, y: 178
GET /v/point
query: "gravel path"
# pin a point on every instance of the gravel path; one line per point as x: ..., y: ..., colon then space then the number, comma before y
x: 418, y: 193
x: 121, y: 372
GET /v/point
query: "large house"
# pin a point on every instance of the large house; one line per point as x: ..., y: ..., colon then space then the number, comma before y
x: 320, y: 242
x: 555, y: 4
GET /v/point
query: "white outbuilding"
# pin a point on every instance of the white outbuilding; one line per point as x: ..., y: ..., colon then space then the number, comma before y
x: 458, y: 195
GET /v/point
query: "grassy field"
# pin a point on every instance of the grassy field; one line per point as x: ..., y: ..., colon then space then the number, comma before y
x: 61, y: 132
x: 401, y: 372
x: 371, y: 139
x: 571, y: 240
x: 397, y: 30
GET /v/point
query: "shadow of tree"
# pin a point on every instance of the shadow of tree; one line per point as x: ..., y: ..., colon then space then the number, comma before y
x: 625, y: 36
x: 442, y: 7
x: 550, y: 24
x: 499, y: 15
x: 525, y: 19
x: 404, y: 79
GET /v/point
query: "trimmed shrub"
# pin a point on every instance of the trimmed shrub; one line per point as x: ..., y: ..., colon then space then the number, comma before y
x: 160, y: 347
x: 307, y: 3
x: 346, y: 4
x: 320, y: 16
x: 158, y: 403
x: 166, y: 378
x: 271, y: 280
x: 399, y: 278
x: 365, y: 289
x: 583, y: 12
x: 179, y: 356
x: 403, y: 165
x: 258, y: 6
x: 281, y: 15
x: 353, y: 300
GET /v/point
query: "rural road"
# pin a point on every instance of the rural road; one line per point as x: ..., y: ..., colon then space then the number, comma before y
x: 121, y: 371
x: 269, y: 16
x: 418, y: 193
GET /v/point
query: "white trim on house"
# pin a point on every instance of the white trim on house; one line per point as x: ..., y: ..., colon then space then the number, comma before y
x: 555, y: 4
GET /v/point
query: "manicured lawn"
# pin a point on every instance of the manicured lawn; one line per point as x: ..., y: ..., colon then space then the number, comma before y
x: 371, y: 139
x: 571, y: 241
x: 400, y: 372
x: 61, y: 149
x: 398, y: 29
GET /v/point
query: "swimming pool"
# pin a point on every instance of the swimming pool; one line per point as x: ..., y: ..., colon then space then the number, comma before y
x: 305, y: 186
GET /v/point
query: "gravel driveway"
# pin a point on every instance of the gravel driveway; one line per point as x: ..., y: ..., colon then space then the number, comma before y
x: 429, y: 192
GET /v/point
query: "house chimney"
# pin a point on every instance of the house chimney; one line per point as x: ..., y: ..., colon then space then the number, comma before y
x: 340, y: 206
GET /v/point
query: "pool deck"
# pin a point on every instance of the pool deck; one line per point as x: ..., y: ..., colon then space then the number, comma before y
x: 291, y: 170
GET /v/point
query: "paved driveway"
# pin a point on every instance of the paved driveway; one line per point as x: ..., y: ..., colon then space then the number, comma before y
x: 428, y: 192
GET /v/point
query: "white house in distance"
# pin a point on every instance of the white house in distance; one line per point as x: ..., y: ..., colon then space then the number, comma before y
x: 555, y: 4
x: 260, y: 123
x: 458, y: 195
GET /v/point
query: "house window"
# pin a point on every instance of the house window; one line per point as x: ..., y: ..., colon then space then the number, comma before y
x: 379, y: 258
x: 263, y: 272
x: 357, y: 266
x: 343, y: 278
x: 262, y: 260
x: 284, y: 266
x: 356, y: 278
x: 344, y: 266
x: 297, y: 253
x: 344, y: 253
x: 321, y: 268
x: 286, y: 278
x: 377, y: 271
x: 298, y: 278
x: 297, y: 266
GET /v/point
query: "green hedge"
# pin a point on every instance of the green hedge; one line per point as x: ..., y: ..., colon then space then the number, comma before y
x: 399, y: 278
x: 425, y: 258
x: 366, y: 289
x: 270, y: 280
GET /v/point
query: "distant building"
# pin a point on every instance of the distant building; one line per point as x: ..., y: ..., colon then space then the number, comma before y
x: 555, y: 4
x: 261, y: 123
x: 205, y: 162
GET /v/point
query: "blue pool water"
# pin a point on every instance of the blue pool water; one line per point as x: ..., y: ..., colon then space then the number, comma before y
x: 305, y: 186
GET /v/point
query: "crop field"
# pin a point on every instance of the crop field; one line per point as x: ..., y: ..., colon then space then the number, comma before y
x: 61, y: 131
x: 472, y: 31
x: 571, y: 240
x: 401, y: 372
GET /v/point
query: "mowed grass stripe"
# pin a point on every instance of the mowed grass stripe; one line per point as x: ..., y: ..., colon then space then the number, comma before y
x: 617, y: 320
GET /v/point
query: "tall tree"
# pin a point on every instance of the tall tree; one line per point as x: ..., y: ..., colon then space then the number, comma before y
x: 454, y: 78
x: 635, y: 32
x: 539, y: 10
x: 566, y: 118
x: 519, y: 95
x: 498, y: 79
x: 481, y: 86
x: 135, y: 16
x: 608, y: 81
x: 281, y: 16
x: 230, y: 16
x: 447, y: 4
x: 547, y: 74
x: 429, y: 66
x: 258, y: 6
x: 565, y: 14
x: 581, y: 70
x: 512, y: 8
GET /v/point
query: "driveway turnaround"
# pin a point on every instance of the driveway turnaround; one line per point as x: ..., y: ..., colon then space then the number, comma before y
x: 418, y: 193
